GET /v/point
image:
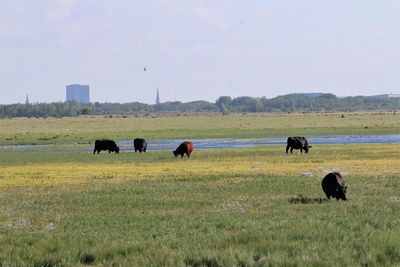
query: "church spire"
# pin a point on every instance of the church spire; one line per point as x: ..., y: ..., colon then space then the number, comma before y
x: 158, y: 98
x: 26, y: 100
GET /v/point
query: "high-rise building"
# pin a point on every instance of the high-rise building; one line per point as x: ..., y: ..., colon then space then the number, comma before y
x: 78, y: 93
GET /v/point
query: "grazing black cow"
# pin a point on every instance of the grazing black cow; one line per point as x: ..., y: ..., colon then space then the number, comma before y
x: 334, y: 186
x: 184, y: 148
x: 297, y: 142
x: 109, y: 145
x: 140, y: 145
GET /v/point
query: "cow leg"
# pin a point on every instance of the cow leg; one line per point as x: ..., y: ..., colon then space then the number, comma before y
x: 182, y: 155
x: 328, y: 196
x: 98, y: 151
x: 144, y: 150
x: 291, y: 150
x: 94, y: 151
x: 188, y: 155
x: 140, y: 150
x: 287, y: 149
x: 301, y: 150
x: 109, y: 151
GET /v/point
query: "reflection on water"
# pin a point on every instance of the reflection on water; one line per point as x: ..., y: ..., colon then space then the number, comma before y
x: 157, y: 145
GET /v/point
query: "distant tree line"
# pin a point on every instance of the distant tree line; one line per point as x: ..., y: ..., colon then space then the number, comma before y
x: 224, y: 104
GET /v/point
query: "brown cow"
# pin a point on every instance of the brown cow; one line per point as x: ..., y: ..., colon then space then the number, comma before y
x: 184, y: 148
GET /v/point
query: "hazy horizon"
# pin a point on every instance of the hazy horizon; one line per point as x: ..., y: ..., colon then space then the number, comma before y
x: 183, y: 101
x: 197, y: 50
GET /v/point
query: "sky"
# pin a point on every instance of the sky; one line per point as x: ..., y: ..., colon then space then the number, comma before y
x: 197, y: 50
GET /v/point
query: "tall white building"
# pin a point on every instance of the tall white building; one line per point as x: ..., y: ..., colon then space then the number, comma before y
x: 78, y: 93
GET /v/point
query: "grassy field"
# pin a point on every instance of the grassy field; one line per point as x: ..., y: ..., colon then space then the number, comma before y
x: 190, y: 126
x: 233, y: 207
x: 236, y: 207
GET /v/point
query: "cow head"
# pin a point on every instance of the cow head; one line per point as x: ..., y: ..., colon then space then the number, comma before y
x: 117, y: 150
x: 306, y: 148
x: 175, y: 153
x: 341, y: 192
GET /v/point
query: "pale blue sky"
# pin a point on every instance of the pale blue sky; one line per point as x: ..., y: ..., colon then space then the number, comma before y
x: 197, y: 50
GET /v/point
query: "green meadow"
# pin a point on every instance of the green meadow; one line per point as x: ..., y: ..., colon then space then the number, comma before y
x: 227, y: 207
x: 189, y: 126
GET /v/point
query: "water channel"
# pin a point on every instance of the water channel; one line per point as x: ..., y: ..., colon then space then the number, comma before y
x: 158, y: 145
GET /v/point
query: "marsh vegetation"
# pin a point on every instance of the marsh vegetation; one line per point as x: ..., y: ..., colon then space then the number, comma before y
x: 223, y: 207
x: 236, y: 207
x: 84, y: 130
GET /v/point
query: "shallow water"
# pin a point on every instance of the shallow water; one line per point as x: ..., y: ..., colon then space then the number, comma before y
x: 158, y: 145
x: 238, y: 143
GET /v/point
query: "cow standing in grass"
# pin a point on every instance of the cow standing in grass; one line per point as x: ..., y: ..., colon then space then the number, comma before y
x: 109, y: 145
x: 184, y: 148
x: 140, y: 145
x: 297, y: 142
x: 333, y: 185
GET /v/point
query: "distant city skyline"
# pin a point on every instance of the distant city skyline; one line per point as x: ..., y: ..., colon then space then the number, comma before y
x: 197, y: 50
x: 158, y: 100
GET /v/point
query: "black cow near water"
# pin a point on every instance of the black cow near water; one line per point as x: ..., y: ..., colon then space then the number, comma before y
x: 140, y: 145
x: 334, y: 186
x: 109, y: 145
x: 297, y: 142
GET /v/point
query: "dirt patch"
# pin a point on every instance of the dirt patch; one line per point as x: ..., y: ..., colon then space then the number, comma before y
x: 307, y: 200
